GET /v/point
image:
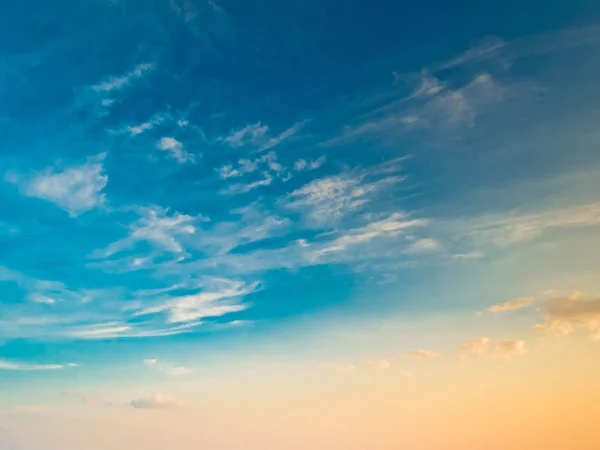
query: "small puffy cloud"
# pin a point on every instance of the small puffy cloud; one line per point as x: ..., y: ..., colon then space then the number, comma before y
x: 303, y: 164
x: 39, y: 298
x: 175, y: 149
x: 150, y: 362
x: 378, y: 364
x: 473, y: 348
x: 158, y: 401
x: 512, y: 305
x: 405, y: 373
x: 563, y: 315
x: 422, y: 355
x: 510, y: 348
x: 422, y: 246
x: 76, y: 189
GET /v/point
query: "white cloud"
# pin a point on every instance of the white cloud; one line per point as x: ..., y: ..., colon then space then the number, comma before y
x: 326, y: 200
x: 564, y: 315
x: 422, y: 246
x: 117, y: 82
x: 146, y: 126
x: 25, y: 367
x: 76, y: 189
x: 510, y: 348
x: 390, y: 226
x: 241, y: 188
x: 257, y: 136
x: 39, y: 298
x: 158, y: 227
x: 303, y: 164
x: 250, y: 134
x: 421, y: 354
x: 175, y: 149
x: 405, y: 373
x: 115, y: 330
x: 267, y: 163
x: 150, y: 362
x: 213, y: 303
x: 157, y: 401
x: 512, y: 305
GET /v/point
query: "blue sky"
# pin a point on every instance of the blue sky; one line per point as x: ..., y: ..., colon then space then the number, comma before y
x: 190, y: 176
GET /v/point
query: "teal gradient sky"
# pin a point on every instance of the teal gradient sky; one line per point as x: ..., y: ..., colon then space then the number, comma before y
x: 290, y: 193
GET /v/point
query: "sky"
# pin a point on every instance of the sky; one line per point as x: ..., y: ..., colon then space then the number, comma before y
x: 299, y: 224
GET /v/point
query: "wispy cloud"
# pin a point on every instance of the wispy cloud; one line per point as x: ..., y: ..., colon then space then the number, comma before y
x: 378, y: 364
x: 495, y: 48
x: 117, y: 82
x: 168, y: 368
x: 257, y: 137
x: 205, y: 304
x: 47, y: 292
x: 76, y: 189
x: 158, y: 227
x: 511, y: 228
x: 390, y: 226
x: 265, y: 163
x: 433, y: 105
x: 240, y: 188
x: 175, y: 149
x: 421, y: 354
x: 117, y: 330
x: 327, y: 200
x: 25, y: 367
x: 135, y: 130
x: 511, y: 305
